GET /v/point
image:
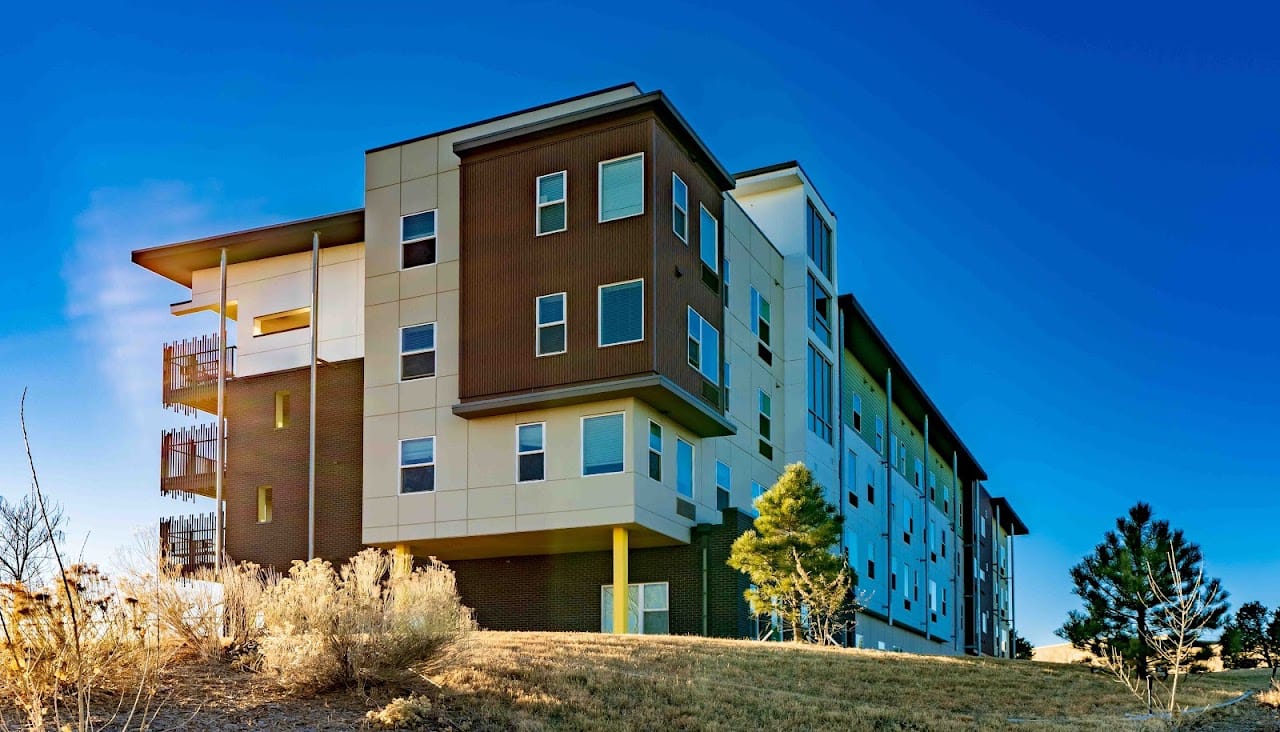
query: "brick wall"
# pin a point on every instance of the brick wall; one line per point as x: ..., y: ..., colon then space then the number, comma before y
x: 561, y: 592
x: 260, y: 454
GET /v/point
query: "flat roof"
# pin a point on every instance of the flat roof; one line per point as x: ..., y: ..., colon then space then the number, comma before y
x: 865, y: 341
x: 178, y: 261
x: 1007, y: 515
x: 606, y: 90
x: 786, y: 165
x: 657, y: 101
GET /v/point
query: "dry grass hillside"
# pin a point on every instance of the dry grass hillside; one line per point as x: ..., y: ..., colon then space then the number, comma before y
x: 586, y: 681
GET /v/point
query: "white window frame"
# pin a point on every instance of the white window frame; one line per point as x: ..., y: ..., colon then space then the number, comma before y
x: 651, y: 451
x: 538, y: 325
x: 760, y: 397
x: 402, y: 466
x: 640, y: 606
x: 539, y: 204
x: 703, y: 326
x: 435, y: 333
x: 682, y: 207
x: 600, y: 313
x: 600, y: 219
x: 582, y: 440
x: 436, y: 221
x: 757, y: 314
x: 715, y: 226
x: 543, y: 452
x: 693, y: 468
x: 728, y: 484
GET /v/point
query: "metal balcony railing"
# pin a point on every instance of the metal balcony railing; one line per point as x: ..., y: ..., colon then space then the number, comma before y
x: 191, y: 374
x: 186, y: 542
x: 188, y: 462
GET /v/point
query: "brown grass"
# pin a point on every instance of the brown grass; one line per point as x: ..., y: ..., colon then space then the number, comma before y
x: 581, y: 681
x: 1271, y: 697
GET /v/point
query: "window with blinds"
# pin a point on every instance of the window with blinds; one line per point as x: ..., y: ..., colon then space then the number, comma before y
x: 418, y: 351
x: 552, y: 325
x: 655, y: 451
x: 552, y: 203
x: 621, y: 313
x: 418, y: 465
x: 531, y: 454
x: 622, y: 187
x: 602, y: 444
x: 418, y: 239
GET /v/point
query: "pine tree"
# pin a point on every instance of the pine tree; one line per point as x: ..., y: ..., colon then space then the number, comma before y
x: 1115, y: 583
x: 1259, y: 633
x: 794, y: 536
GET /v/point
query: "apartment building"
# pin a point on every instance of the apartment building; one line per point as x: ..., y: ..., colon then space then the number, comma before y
x: 562, y: 350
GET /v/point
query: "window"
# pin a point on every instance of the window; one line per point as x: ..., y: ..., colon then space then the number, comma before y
x: 704, y: 347
x: 908, y: 520
x: 725, y: 278
x: 871, y: 482
x: 917, y: 475
x: 621, y: 313
x: 757, y: 490
x: 418, y: 465
x: 871, y: 560
x: 760, y: 317
x: 857, y: 412
x: 880, y: 435
x: 818, y: 235
x: 946, y: 500
x: 282, y: 409
x: 819, y: 388
x: 602, y: 444
x: 418, y: 351
x: 725, y: 391
x: 655, y: 451
x: 944, y: 600
x: 708, y: 239
x: 933, y: 486
x: 819, y: 311
x: 552, y: 324
x: 724, y: 485
x: 622, y: 187
x: 552, y: 203
x: 942, y: 542
x: 680, y: 208
x: 765, y: 407
x: 684, y: 468
x: 264, y: 504
x: 851, y: 477
x: 418, y: 239
x: 282, y: 322
x: 647, y: 608
x: 901, y: 451
x: 531, y: 452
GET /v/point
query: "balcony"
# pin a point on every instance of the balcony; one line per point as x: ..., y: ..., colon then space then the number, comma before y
x: 188, y: 462
x: 191, y: 374
x: 186, y: 542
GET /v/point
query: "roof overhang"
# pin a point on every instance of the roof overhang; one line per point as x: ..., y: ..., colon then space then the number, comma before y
x: 655, y: 101
x: 1009, y: 518
x: 178, y: 261
x: 867, y: 344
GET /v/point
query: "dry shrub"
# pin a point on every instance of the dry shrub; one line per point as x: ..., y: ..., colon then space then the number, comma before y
x: 402, y: 713
x: 63, y: 645
x: 1270, y: 697
x: 365, y: 624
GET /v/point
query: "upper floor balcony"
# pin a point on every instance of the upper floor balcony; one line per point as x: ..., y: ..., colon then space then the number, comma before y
x: 188, y: 461
x: 187, y: 542
x: 191, y: 374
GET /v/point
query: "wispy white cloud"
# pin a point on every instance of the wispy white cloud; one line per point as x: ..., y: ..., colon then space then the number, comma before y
x: 119, y: 309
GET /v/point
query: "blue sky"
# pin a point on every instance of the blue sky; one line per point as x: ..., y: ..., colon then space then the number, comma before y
x: 1065, y: 219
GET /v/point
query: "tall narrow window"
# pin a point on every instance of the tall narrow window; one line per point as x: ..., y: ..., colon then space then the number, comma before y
x: 724, y: 485
x: 760, y: 317
x: 902, y: 458
x: 946, y: 500
x: 655, y: 451
x: 933, y: 486
x: 871, y: 560
x: 819, y: 311
x: 282, y: 409
x: 728, y: 372
x: 708, y: 239
x: 908, y: 520
x: 552, y: 203
x: 531, y: 452
x: 264, y: 504
x: 680, y: 208
x: 871, y: 482
x: 622, y: 187
x: 552, y: 325
x: 818, y: 235
x: 418, y: 351
x: 704, y: 347
x: 880, y: 435
x: 819, y: 393
x: 857, y: 412
x: 418, y: 465
x: 766, y: 416
x: 684, y: 468
x: 418, y: 239
x: 851, y: 477
x: 602, y: 444
x: 916, y: 475
x: 621, y: 313
x: 757, y: 490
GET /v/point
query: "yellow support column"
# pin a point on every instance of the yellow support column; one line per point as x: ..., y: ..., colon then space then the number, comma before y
x: 401, y: 561
x: 619, y: 579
